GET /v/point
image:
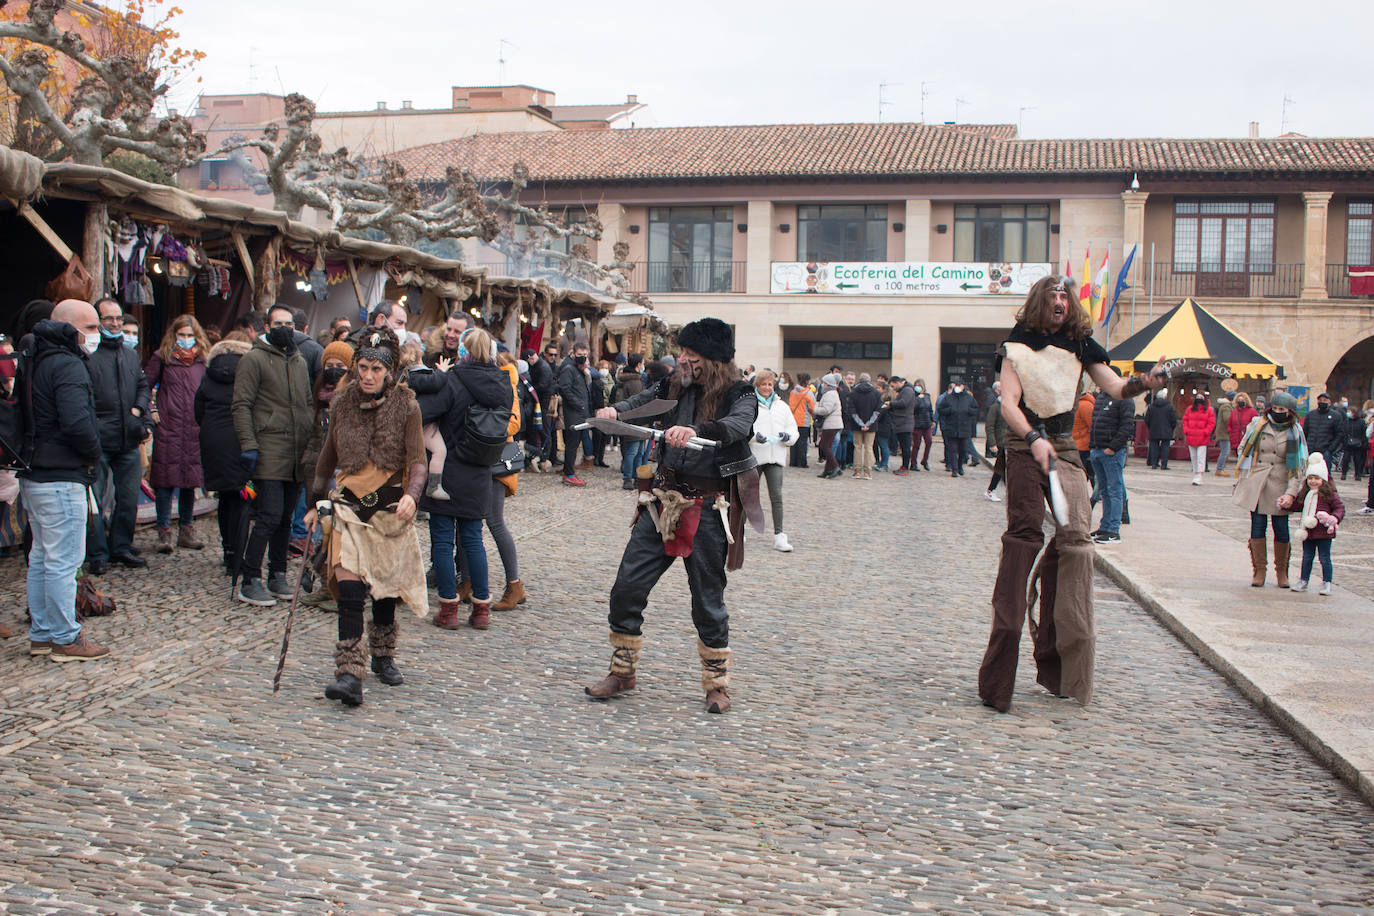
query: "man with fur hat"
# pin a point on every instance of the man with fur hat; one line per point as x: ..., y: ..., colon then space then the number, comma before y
x: 1040, y: 364
x: 683, y: 509
x: 375, y: 443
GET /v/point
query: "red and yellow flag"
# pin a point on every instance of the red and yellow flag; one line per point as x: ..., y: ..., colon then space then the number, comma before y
x: 1085, y: 292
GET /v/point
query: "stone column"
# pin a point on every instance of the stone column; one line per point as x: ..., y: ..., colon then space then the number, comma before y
x: 612, y: 218
x: 1314, y: 245
x: 916, y: 243
x: 1133, y: 223
x: 758, y: 248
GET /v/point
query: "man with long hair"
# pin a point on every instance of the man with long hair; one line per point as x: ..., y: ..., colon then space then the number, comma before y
x: 683, y: 508
x: 1040, y: 364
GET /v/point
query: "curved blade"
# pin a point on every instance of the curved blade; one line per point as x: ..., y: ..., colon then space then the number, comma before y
x: 1059, y: 503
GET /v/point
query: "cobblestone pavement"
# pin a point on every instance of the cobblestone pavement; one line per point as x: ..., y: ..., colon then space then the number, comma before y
x: 857, y: 772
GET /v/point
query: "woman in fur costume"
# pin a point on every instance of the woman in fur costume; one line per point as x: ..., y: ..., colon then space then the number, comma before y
x: 374, y: 442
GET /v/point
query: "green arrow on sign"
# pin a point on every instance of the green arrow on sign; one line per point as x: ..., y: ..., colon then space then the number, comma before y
x: 846, y: 286
x: 968, y: 286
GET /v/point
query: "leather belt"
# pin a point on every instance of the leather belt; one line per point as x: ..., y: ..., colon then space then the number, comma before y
x: 689, y: 485
x: 369, y: 504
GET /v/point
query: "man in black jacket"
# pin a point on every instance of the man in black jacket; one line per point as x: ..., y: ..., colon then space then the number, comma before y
x: 1323, y: 428
x: 1161, y: 420
x: 542, y: 380
x: 1113, y: 425
x: 864, y: 403
x: 958, y: 412
x: 682, y: 509
x: 121, y: 410
x: 54, y: 486
x: 574, y: 388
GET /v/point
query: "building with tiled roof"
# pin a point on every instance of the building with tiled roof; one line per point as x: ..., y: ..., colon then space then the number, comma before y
x: 820, y: 242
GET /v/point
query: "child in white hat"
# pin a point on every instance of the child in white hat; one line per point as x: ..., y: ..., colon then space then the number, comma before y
x: 1322, y: 511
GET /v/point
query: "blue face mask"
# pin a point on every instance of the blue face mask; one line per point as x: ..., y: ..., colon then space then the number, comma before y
x: 112, y: 335
x: 131, y: 341
x: 186, y: 343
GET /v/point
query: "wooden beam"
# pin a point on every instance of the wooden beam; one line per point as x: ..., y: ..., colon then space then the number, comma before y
x: 358, y: 288
x: 242, y: 248
x: 47, y: 232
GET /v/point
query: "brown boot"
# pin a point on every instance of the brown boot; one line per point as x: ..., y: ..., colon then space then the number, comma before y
x: 164, y: 540
x: 1281, y: 551
x: 715, y: 676
x: 465, y: 592
x: 186, y: 537
x: 624, y: 660
x: 447, y: 618
x: 586, y: 464
x: 513, y: 595
x: 480, y: 618
x: 1257, y: 561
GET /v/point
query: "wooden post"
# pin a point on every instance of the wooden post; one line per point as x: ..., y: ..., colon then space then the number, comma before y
x: 357, y: 289
x: 242, y: 248
x: 93, y: 245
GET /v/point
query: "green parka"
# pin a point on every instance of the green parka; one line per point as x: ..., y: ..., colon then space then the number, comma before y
x: 272, y: 410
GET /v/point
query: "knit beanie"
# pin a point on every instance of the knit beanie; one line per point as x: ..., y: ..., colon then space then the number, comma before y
x: 339, y: 350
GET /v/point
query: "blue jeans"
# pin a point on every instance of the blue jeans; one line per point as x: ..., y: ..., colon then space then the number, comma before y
x: 1225, y: 448
x: 1313, y: 549
x: 633, y: 454
x: 844, y: 443
x: 1109, y: 472
x: 1259, y: 522
x: 884, y: 449
x: 127, y: 468
x: 298, y: 518
x: 186, y: 506
x: 441, y: 535
x: 57, y: 517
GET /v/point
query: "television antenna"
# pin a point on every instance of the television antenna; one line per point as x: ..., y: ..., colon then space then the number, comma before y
x: 501, y: 60
x: 1283, y: 122
x: 883, y: 102
x: 957, y: 103
x: 925, y: 94
x: 1019, y: 113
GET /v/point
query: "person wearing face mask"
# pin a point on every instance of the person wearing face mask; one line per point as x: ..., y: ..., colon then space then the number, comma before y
x: 174, y: 373
x: 1322, y: 427
x: 691, y: 508
x: 1199, y: 421
x: 122, y: 409
x: 1272, y: 462
x: 1356, y: 441
x: 224, y: 473
x: 130, y: 326
x: 958, y: 413
x: 54, y: 485
x: 574, y: 390
x: 922, y: 424
x: 272, y: 417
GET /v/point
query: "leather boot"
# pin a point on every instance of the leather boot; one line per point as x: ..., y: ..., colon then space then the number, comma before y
x: 186, y: 537
x: 586, y: 464
x: 480, y: 618
x: 1258, y: 558
x: 465, y: 592
x: 715, y: 676
x: 164, y: 540
x: 513, y: 595
x: 1281, y: 551
x: 624, y: 660
x: 447, y: 618
x: 347, y: 685
x: 381, y: 643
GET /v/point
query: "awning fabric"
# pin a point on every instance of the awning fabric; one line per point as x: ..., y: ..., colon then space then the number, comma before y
x: 1193, y: 341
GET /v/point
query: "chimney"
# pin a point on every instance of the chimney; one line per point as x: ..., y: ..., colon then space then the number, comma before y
x: 407, y: 105
x: 1254, y: 130
x: 381, y: 106
x: 632, y: 99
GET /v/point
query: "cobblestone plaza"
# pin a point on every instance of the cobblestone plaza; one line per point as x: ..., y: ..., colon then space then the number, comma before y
x: 856, y: 773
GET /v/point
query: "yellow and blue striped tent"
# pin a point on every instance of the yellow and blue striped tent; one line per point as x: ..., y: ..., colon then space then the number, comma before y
x: 1193, y: 341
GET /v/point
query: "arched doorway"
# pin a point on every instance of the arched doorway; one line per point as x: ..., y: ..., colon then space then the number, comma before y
x: 1353, y: 374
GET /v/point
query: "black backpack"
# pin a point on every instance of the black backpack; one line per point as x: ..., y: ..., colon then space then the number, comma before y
x: 16, y: 411
x: 484, y: 435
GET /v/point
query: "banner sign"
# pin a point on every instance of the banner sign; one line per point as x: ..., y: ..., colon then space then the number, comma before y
x: 906, y: 278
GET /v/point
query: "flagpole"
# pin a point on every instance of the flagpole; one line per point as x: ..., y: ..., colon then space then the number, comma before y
x: 1152, y: 282
x: 1133, y: 308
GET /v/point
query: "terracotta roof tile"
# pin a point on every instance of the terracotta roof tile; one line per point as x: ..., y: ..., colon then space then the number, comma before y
x: 872, y: 150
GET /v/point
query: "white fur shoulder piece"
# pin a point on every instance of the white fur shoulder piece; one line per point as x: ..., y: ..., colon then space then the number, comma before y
x: 1049, y: 377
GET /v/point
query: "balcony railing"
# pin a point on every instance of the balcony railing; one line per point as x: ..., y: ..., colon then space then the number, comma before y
x: 1222, y: 280
x: 1338, y: 282
x: 675, y: 277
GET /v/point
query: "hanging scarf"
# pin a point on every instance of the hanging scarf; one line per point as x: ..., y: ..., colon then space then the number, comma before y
x: 1309, y: 514
x: 1295, y: 452
x: 766, y: 403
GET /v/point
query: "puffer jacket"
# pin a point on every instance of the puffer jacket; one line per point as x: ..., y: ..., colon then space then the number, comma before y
x: 120, y: 388
x: 773, y: 420
x: 1198, y: 423
x: 1238, y: 422
x: 1322, y: 429
x: 903, y: 410
x: 219, y: 444
x: 468, y: 486
x: 803, y: 404
x: 66, y: 436
x: 864, y: 403
x: 1161, y: 418
x: 628, y: 384
x: 272, y: 410
x: 959, y: 415
x: 1113, y: 422
x: 923, y: 415
x: 828, y: 410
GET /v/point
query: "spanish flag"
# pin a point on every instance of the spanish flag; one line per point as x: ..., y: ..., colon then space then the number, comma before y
x: 1085, y: 292
x: 1099, y: 290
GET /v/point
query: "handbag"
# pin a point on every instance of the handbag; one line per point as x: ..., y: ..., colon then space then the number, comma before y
x: 90, y: 601
x: 512, y: 460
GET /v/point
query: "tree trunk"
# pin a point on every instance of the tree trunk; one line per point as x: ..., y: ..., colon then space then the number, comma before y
x: 93, y: 246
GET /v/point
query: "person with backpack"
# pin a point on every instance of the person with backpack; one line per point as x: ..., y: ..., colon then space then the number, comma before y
x: 480, y: 391
x: 62, y: 448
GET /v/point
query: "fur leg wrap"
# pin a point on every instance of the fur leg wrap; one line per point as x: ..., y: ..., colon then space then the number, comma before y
x: 715, y: 667
x: 381, y: 639
x: 625, y: 653
x: 349, y: 658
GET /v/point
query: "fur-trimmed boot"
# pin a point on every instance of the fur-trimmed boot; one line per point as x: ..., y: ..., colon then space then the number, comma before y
x: 349, y: 660
x: 1281, y: 552
x: 1258, y: 560
x: 381, y: 642
x: 624, y: 659
x: 480, y: 618
x: 715, y: 676
x: 447, y: 618
x: 513, y: 595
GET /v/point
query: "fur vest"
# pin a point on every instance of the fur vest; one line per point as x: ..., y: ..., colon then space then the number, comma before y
x: 366, y: 430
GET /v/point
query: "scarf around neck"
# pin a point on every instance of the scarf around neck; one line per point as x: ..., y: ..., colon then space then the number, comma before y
x: 1295, y: 450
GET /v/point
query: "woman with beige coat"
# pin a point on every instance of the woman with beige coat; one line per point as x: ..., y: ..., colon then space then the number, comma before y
x: 1273, y: 459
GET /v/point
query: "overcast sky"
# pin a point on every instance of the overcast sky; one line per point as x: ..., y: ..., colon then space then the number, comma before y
x: 1185, y: 68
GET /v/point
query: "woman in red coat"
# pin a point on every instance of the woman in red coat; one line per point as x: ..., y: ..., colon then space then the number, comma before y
x: 1198, y: 423
x: 174, y: 374
x: 1241, y: 416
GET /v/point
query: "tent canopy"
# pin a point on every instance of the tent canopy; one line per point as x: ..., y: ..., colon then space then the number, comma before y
x: 1193, y: 342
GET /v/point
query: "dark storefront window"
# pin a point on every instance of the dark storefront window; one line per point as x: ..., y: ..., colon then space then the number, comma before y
x: 842, y: 232
x: 1002, y: 232
x: 690, y: 249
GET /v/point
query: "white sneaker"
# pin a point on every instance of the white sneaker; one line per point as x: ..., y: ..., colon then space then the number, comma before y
x: 992, y: 497
x: 1367, y: 510
x: 1300, y: 585
x: 1197, y: 480
x: 1325, y: 589
x: 780, y: 543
